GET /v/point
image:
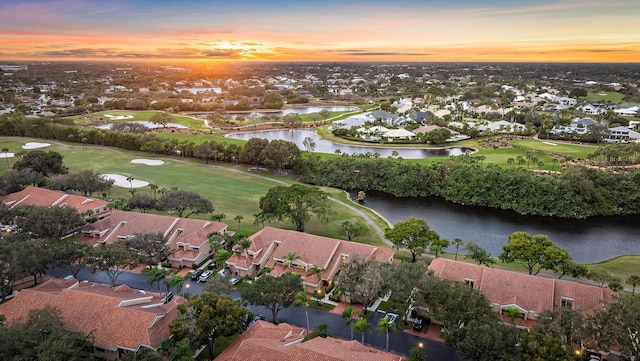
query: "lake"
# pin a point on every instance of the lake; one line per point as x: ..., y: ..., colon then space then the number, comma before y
x: 295, y: 110
x: 297, y: 136
x: 587, y: 240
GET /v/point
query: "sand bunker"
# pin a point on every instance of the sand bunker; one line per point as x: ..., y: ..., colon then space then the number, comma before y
x: 118, y: 117
x: 148, y: 161
x: 35, y: 145
x: 7, y: 155
x: 121, y: 181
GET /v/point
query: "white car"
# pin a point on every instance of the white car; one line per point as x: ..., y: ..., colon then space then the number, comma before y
x: 205, y: 276
x: 391, y: 317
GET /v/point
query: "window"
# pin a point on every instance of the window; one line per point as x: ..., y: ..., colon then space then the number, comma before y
x: 470, y: 281
x: 279, y: 261
x: 567, y: 302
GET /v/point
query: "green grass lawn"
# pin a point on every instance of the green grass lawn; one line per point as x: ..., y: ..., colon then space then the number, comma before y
x: 604, y: 96
x: 562, y: 148
x: 231, y: 189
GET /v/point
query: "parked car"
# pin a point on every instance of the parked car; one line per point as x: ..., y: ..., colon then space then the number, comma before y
x: 391, y: 317
x: 419, y: 323
x: 195, y: 274
x: 235, y: 280
x: 205, y: 276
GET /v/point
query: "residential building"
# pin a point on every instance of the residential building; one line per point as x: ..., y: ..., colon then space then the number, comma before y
x: 120, y: 319
x: 622, y: 135
x: 41, y: 197
x: 529, y: 294
x: 266, y: 341
x: 188, y: 238
x: 272, y: 247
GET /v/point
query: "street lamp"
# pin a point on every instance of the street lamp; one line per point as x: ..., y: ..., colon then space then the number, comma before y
x: 420, y: 345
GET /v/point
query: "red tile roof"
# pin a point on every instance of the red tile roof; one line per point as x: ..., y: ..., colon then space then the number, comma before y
x: 310, y: 249
x: 49, y: 198
x: 266, y: 341
x: 119, y: 317
x: 529, y: 292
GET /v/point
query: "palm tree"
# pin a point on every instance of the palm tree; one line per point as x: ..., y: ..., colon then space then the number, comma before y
x: 317, y: 271
x: 348, y: 313
x: 154, y: 188
x: 301, y: 299
x: 362, y: 325
x: 130, y: 180
x: 457, y: 242
x: 5, y: 151
x: 157, y: 275
x: 176, y: 282
x: 290, y: 257
x: 244, y: 244
x: 633, y: 280
x: 238, y: 218
x: 384, y: 325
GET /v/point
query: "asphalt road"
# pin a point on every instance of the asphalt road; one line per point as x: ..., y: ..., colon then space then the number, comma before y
x: 399, y: 342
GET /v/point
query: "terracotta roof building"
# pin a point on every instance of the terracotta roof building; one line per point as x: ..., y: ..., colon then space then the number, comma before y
x: 34, y: 196
x: 283, y: 342
x: 271, y: 246
x: 121, y: 319
x: 187, y: 237
x: 529, y: 294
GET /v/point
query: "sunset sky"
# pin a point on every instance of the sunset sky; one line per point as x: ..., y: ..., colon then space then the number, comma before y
x: 327, y: 30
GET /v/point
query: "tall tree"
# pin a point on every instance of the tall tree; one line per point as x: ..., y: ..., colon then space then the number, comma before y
x: 51, y: 222
x: 616, y: 328
x: 279, y: 154
x: 633, y: 280
x: 205, y: 317
x: 413, y: 234
x: 361, y: 325
x: 297, y: 203
x: 47, y: 163
x: 151, y: 247
x: 457, y: 242
x: 274, y: 293
x: 292, y: 120
x: 301, y: 299
x: 252, y: 151
x: 161, y: 118
x: 185, y: 203
x: 537, y: 252
x: 353, y: 229
x: 349, y: 313
x: 384, y: 326
x: 479, y: 254
x: 361, y: 280
x: 400, y: 279
x: 113, y: 259
x: 42, y: 335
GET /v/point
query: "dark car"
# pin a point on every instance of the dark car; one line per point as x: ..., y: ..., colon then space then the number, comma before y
x: 196, y: 274
x: 419, y: 323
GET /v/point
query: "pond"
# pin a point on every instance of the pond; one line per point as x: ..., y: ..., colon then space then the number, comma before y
x: 297, y: 136
x: 296, y: 110
x: 146, y: 124
x: 586, y: 240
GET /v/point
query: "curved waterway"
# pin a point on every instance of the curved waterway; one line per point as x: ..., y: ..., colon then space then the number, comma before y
x: 297, y: 136
x: 587, y: 240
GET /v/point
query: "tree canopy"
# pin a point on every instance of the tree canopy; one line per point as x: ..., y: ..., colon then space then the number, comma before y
x: 205, y: 317
x: 537, y: 252
x: 184, y: 203
x: 47, y: 163
x: 413, y: 234
x: 43, y: 336
x: 296, y: 203
x: 274, y: 293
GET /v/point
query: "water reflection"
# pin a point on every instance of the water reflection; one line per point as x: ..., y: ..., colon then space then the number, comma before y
x: 297, y: 136
x: 147, y: 124
x: 591, y: 240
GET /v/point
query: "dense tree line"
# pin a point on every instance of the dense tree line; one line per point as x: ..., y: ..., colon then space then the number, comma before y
x: 578, y: 192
